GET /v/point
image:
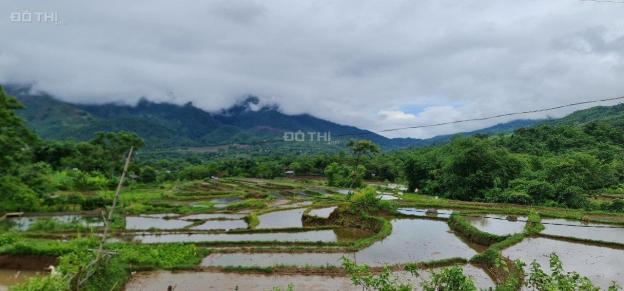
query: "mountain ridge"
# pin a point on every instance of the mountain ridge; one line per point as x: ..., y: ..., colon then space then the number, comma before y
x: 166, y: 125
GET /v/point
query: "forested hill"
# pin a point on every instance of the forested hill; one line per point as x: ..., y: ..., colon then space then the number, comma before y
x: 164, y: 125
x: 613, y: 115
x: 168, y: 125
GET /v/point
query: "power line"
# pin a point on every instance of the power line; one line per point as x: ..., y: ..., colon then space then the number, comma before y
x: 361, y: 133
x: 501, y: 115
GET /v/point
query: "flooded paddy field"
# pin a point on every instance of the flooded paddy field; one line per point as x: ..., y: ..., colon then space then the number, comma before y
x: 421, y: 212
x: 212, y: 216
x: 601, y: 265
x: 27, y: 222
x: 332, y: 235
x: 281, y: 219
x: 212, y: 280
x: 582, y: 230
x: 322, y: 212
x: 222, y: 224
x: 144, y: 223
x: 411, y: 240
x: 497, y: 224
x: 246, y: 228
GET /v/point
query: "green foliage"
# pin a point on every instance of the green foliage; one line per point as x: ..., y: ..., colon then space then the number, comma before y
x: 164, y: 256
x: 449, y: 279
x: 16, y: 140
x: 546, y: 165
x: 558, y: 279
x: 361, y: 275
x: 473, y: 234
x: 361, y: 148
x: 417, y: 171
x: 247, y: 204
x: 340, y: 175
x: 368, y: 200
x: 16, y: 196
x: 47, y: 224
x: 43, y: 283
x: 533, y: 224
x: 252, y: 220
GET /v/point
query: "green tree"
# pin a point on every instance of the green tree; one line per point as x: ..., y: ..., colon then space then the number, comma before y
x: 416, y: 171
x: 474, y: 166
x: 16, y: 141
x: 361, y: 148
x: 339, y: 175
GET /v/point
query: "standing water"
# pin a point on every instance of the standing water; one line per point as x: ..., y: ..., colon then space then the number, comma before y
x: 281, y: 219
x: 591, y: 231
x: 600, y: 264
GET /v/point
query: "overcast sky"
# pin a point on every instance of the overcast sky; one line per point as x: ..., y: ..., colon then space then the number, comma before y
x: 372, y: 64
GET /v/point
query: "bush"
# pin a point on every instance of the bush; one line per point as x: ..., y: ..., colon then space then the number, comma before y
x: 367, y: 199
x: 449, y: 279
x: 91, y: 203
x: 339, y: 175
x: 15, y: 196
x: 558, y: 279
x: 85, y: 181
x: 473, y: 234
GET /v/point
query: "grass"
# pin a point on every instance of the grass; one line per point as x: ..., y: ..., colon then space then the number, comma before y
x: 110, y: 273
x: 247, y: 204
x: 252, y: 220
x: 533, y: 225
x: 471, y: 233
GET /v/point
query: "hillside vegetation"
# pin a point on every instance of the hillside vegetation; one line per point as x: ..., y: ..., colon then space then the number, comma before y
x: 555, y: 164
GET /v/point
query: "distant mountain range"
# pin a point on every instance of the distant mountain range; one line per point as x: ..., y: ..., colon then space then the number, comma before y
x: 164, y: 125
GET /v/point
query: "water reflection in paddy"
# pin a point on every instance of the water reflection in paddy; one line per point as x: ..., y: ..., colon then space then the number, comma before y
x: 140, y: 222
x: 222, y: 224
x: 496, y: 224
x: 281, y: 219
x: 23, y: 223
x: 224, y: 201
x: 609, y: 234
x: 387, y: 197
x: 443, y: 213
x: 322, y: 212
x: 600, y: 264
x: 208, y: 216
x: 415, y: 240
x: 304, y: 236
x: 411, y: 240
x: 207, y: 280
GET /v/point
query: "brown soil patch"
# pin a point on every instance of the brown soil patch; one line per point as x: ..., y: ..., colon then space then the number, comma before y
x: 35, y: 263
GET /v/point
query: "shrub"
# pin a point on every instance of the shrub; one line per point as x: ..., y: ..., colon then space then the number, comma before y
x: 339, y: 175
x: 558, y: 279
x: 367, y: 199
x: 15, y: 196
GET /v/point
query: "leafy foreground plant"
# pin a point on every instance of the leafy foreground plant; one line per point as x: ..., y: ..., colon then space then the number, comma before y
x: 449, y: 279
x: 559, y: 279
x: 454, y: 279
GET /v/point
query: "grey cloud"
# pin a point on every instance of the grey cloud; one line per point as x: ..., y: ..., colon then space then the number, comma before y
x: 353, y: 62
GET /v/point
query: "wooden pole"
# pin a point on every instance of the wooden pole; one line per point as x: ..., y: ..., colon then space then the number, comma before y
x: 108, y: 221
